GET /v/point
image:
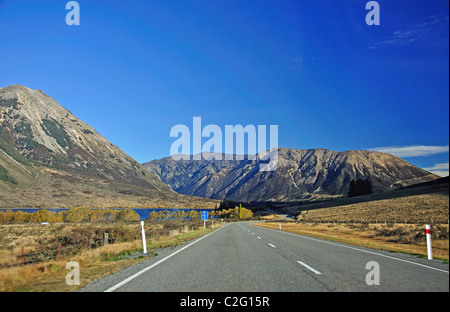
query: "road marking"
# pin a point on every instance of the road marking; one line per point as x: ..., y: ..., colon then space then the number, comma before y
x: 272, y: 245
x: 259, y: 237
x: 308, y: 267
x: 253, y: 233
x: 118, y: 285
x: 354, y: 248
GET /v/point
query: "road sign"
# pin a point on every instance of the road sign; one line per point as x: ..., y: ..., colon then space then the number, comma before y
x: 204, y: 215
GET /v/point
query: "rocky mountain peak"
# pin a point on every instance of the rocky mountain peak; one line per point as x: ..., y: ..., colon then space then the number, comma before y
x: 43, y: 131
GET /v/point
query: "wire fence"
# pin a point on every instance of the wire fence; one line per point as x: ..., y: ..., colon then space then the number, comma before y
x: 17, y: 256
x: 380, y: 221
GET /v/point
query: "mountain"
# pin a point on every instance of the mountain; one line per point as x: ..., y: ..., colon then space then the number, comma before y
x: 44, y: 132
x: 60, y: 160
x: 301, y: 174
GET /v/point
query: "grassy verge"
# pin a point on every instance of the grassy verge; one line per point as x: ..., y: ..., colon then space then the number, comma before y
x: 408, y: 239
x: 94, y: 263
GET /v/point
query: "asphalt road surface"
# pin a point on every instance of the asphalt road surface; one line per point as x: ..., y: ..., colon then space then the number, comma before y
x: 240, y: 257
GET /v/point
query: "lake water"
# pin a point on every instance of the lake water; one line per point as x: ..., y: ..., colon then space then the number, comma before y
x: 142, y: 212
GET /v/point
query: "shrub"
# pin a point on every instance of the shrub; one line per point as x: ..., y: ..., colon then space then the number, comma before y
x: 4, y: 175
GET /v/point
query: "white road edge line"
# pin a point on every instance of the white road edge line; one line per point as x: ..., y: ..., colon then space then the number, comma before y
x: 308, y: 267
x: 118, y: 285
x: 354, y: 248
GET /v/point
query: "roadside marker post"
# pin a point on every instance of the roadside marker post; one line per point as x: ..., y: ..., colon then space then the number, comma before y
x: 144, y: 244
x: 428, y: 233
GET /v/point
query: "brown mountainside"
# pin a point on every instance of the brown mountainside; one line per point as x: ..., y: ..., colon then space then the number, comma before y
x: 41, y: 142
x: 301, y: 174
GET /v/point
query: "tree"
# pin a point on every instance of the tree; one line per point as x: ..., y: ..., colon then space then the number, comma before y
x: 359, y: 187
x: 239, y: 213
x: 227, y: 204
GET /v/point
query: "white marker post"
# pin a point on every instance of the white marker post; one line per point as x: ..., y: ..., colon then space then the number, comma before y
x: 144, y: 244
x: 428, y: 232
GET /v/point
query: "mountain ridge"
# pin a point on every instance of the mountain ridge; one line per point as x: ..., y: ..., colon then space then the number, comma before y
x: 43, y: 147
x: 45, y: 132
x: 300, y: 174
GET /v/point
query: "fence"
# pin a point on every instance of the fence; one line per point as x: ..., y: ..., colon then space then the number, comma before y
x: 22, y: 258
x: 380, y: 221
x: 17, y: 255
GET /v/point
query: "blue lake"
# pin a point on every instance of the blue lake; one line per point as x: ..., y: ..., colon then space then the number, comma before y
x: 142, y: 212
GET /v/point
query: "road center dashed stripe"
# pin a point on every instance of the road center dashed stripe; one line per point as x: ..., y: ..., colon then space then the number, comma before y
x: 355, y: 248
x: 308, y: 267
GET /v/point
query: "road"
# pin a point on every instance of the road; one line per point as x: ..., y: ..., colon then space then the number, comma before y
x: 240, y: 257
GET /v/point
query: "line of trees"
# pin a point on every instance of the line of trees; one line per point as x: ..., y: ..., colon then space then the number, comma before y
x: 359, y: 187
x: 235, y: 212
x: 228, y: 209
x: 176, y: 214
x: 71, y: 215
x: 115, y: 215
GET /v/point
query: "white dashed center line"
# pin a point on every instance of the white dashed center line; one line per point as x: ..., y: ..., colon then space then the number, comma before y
x: 308, y: 267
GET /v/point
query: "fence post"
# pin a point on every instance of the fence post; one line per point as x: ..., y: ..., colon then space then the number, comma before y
x: 105, y: 239
x: 144, y: 243
x: 428, y: 233
x: 21, y: 257
x: 59, y: 252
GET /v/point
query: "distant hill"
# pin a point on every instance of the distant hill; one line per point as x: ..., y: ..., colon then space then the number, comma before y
x: 312, y: 174
x: 424, y: 203
x: 40, y: 139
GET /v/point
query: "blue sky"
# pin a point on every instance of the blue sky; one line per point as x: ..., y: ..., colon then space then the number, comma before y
x: 134, y: 69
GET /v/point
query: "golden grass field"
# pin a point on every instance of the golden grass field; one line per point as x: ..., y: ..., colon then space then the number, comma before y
x: 424, y: 208
x: 423, y: 205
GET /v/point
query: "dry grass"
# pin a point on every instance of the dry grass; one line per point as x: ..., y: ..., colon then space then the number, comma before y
x: 424, y: 208
x: 421, y: 204
x: 50, y: 276
x: 94, y: 262
x: 392, y: 221
x: 399, y: 238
